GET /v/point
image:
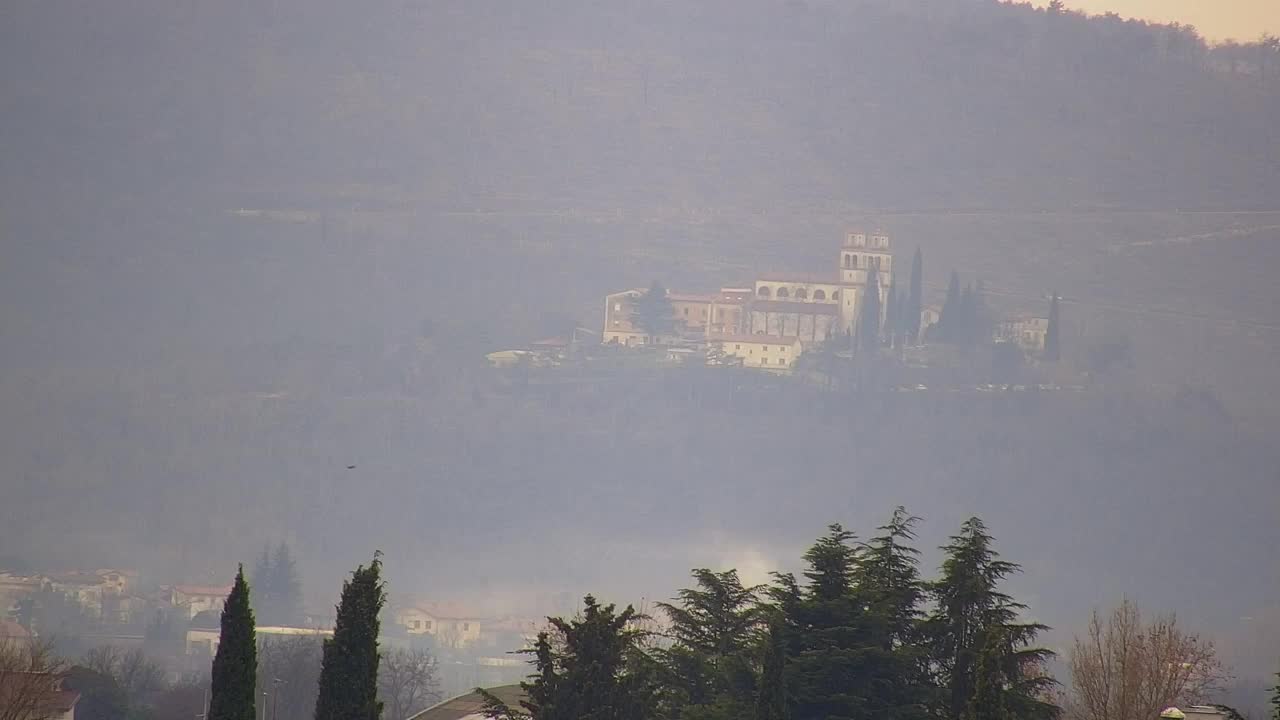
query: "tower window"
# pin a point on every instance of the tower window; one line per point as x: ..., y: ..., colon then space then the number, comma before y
x: 783, y: 293
x: 819, y: 295
x: 801, y: 294
x: 763, y: 291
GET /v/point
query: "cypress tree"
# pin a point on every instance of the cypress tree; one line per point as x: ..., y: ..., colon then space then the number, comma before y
x: 894, y: 318
x: 349, y: 669
x: 949, y: 319
x: 1052, y: 349
x: 771, y: 702
x: 232, y: 691
x: 869, y: 318
x: 915, y: 301
x: 653, y: 312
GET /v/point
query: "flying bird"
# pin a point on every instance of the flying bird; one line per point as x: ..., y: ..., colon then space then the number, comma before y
x: 351, y: 467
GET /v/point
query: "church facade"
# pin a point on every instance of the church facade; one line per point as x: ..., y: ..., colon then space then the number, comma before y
x: 792, y: 310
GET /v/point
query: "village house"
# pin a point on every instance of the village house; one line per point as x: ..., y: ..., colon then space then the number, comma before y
x: 195, y: 599
x: 1025, y: 331
x: 449, y: 626
x: 766, y: 352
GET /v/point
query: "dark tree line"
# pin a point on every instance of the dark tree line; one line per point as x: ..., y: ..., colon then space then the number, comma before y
x: 858, y: 635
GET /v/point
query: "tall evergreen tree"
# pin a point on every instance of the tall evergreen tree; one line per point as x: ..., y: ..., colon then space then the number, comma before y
x: 889, y: 584
x: 894, y: 331
x: 771, y: 701
x: 586, y: 668
x: 349, y: 670
x: 969, y: 606
x: 277, y: 590
x: 829, y: 665
x: 1275, y: 699
x: 869, y: 317
x: 1052, y: 348
x: 950, y: 320
x: 988, y: 700
x: 915, y: 301
x: 715, y: 628
x: 653, y: 312
x: 232, y: 689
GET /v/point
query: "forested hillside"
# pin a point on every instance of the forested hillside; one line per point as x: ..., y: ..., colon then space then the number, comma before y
x: 247, y: 245
x: 754, y: 104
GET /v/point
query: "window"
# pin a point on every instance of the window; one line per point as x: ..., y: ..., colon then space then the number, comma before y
x: 763, y: 291
x: 617, y: 307
x: 466, y: 627
x: 819, y: 295
x: 781, y: 361
x: 783, y: 293
x: 802, y: 294
x: 835, y: 294
x: 417, y: 624
x: 686, y: 312
x: 855, y: 261
x: 428, y: 624
x: 737, y: 347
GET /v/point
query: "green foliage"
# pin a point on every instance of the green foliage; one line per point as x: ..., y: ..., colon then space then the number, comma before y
x: 988, y: 699
x: 1275, y: 699
x: 235, y: 666
x: 915, y: 301
x: 349, y: 670
x: 591, y: 667
x: 652, y: 311
x: 278, y: 590
x: 101, y: 697
x: 870, y: 312
x: 1052, y: 346
x: 772, y: 699
x: 715, y: 628
x: 969, y: 609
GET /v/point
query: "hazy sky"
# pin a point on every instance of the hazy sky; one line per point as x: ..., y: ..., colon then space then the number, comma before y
x: 1215, y: 19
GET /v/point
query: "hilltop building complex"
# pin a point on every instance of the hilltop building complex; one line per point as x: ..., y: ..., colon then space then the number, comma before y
x: 778, y: 310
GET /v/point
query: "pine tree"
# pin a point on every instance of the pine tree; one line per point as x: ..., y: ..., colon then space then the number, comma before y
x: 653, y: 312
x: 915, y: 301
x: 771, y: 702
x: 232, y: 690
x: 988, y: 700
x: 349, y: 670
x: 889, y: 583
x: 587, y: 667
x: 969, y: 605
x: 715, y: 628
x: 830, y: 641
x: 1052, y: 349
x: 869, y: 317
x: 1275, y: 699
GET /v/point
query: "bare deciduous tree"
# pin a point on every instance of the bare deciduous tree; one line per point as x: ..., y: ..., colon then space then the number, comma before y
x: 407, y: 682
x: 1128, y: 669
x: 30, y: 675
x: 136, y: 674
x: 289, y: 671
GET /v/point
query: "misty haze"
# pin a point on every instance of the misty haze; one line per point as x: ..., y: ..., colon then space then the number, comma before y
x: 496, y: 320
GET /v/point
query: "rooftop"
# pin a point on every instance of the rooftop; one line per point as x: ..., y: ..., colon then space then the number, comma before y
x: 471, y: 704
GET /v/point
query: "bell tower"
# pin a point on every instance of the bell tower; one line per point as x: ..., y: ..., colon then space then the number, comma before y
x: 860, y: 255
